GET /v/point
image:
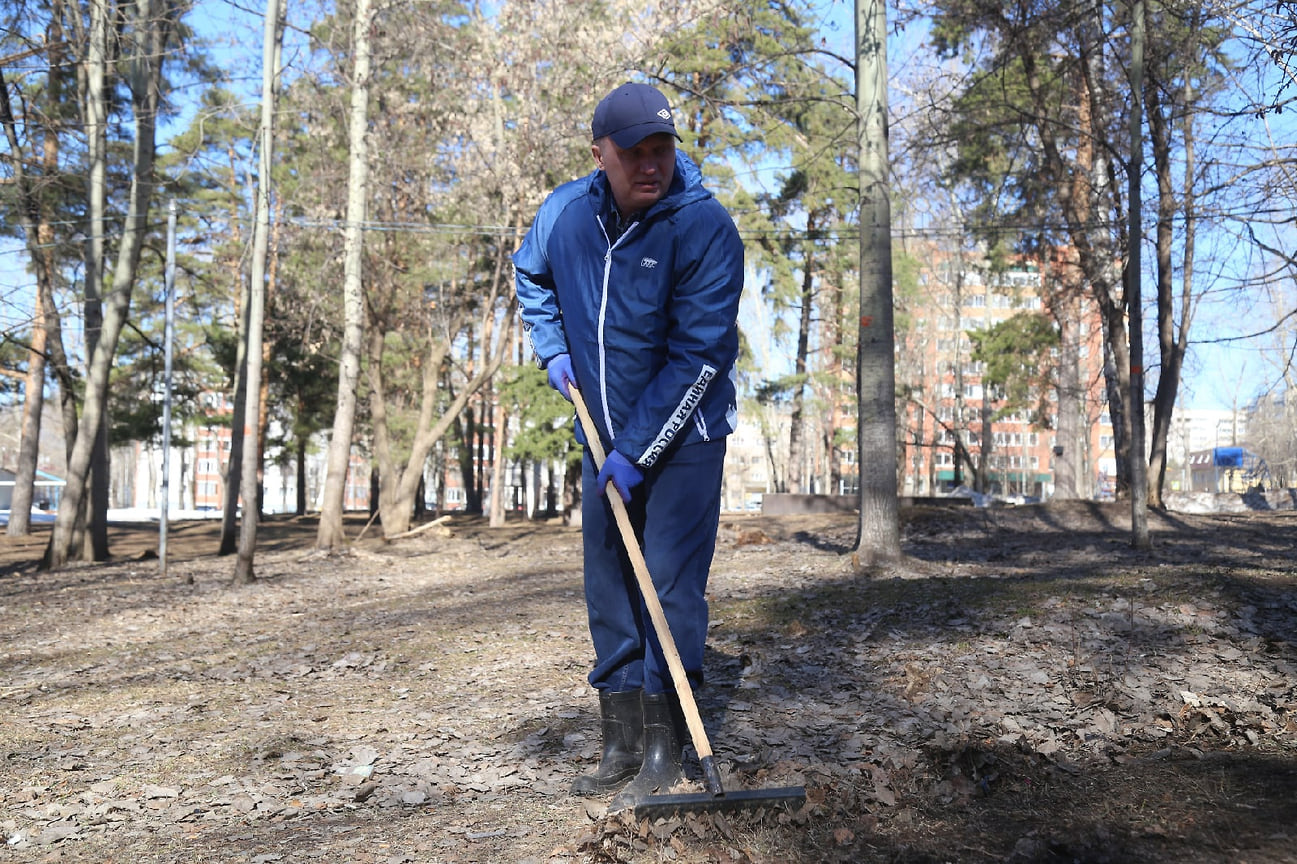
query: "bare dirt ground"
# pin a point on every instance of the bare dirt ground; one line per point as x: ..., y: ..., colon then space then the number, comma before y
x: 1024, y: 687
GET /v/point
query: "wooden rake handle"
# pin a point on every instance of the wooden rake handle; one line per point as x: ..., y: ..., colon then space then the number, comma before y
x: 645, y: 581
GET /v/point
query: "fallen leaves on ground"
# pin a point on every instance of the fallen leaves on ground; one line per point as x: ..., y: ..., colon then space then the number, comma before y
x: 1025, y: 686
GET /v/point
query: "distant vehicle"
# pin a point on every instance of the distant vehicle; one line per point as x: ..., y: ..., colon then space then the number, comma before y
x: 978, y: 499
x: 38, y: 517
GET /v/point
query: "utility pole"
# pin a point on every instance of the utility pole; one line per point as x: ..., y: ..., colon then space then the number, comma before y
x: 168, y: 337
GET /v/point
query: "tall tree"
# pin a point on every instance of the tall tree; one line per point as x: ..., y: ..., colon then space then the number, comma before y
x: 38, y: 235
x: 206, y: 169
x: 253, y: 337
x: 879, y: 536
x: 94, y: 101
x: 440, y: 314
x: 1183, y: 73
x: 145, y: 31
x: 1045, y: 131
x: 37, y: 119
x: 1133, y: 280
x: 331, y: 534
x: 1035, y: 128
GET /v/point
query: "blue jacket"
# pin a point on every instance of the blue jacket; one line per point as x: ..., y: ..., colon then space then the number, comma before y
x: 649, y: 319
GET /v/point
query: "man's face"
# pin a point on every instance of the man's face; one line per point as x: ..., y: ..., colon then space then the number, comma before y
x: 638, y: 175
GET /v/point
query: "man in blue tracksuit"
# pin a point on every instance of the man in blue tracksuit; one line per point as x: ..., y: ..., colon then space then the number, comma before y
x: 629, y: 284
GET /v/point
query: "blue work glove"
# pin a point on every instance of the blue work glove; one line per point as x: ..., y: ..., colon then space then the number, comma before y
x: 621, y: 472
x: 559, y: 369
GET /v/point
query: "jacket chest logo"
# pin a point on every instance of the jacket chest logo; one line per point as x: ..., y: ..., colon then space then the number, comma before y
x: 648, y: 263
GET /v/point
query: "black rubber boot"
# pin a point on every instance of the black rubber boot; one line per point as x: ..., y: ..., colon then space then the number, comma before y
x: 664, y: 733
x: 622, y: 722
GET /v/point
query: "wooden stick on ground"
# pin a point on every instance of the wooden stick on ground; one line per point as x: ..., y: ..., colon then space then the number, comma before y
x: 440, y: 520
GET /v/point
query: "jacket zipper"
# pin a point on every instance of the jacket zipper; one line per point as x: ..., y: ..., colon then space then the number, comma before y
x: 603, y: 309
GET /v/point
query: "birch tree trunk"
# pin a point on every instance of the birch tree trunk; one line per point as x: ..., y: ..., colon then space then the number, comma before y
x: 331, y: 534
x: 251, y: 462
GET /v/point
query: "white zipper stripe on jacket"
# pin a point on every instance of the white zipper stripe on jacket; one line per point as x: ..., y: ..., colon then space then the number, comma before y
x: 603, y: 309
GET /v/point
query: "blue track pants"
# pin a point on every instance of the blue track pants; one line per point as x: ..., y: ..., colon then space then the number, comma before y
x: 675, y: 512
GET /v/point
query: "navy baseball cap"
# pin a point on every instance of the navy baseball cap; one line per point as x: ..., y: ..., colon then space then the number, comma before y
x: 631, y: 113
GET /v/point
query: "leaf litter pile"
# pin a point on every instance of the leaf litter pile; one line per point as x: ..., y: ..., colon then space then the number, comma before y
x: 1023, y: 687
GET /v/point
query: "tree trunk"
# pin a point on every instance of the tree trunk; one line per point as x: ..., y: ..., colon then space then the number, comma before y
x: 38, y: 234
x: 47, y: 335
x: 1066, y: 311
x: 232, y: 472
x: 960, y: 410
x: 62, y: 369
x: 94, y: 545
x: 479, y: 468
x: 879, y: 536
x: 1173, y: 340
x: 1168, y: 370
x: 1088, y: 190
x: 20, y: 505
x: 498, y: 504
x: 1071, y: 391
x: 838, y: 376
x: 57, y: 360
x: 250, y: 475
x: 144, y: 73
x: 95, y: 115
x: 300, y: 509
x: 797, y: 417
x: 1190, y: 236
x: 331, y: 534
x: 1116, y: 380
x: 572, y: 492
x: 466, y: 428
x: 382, y: 486
x: 1134, y: 302
x: 982, y: 481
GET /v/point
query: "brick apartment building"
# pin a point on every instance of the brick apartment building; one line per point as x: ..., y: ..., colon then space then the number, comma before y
x: 946, y: 397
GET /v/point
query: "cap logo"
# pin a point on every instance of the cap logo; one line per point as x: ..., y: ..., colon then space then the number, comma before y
x: 664, y: 114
